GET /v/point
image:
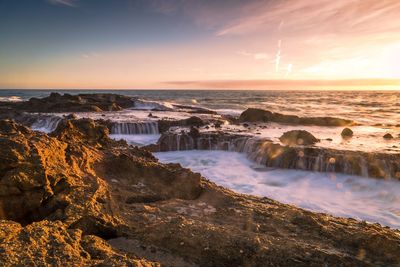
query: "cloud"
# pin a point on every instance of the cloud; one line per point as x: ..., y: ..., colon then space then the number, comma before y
x: 344, y: 16
x: 256, y: 56
x: 70, y: 3
x: 267, y: 84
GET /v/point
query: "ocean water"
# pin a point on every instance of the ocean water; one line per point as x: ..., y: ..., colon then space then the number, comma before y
x: 367, y: 107
x: 363, y: 198
x: 341, y: 195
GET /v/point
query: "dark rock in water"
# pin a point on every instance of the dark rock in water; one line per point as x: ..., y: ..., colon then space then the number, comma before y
x: 56, y: 102
x: 388, y: 136
x: 329, y: 139
x: 71, y: 116
x: 164, y: 125
x: 260, y: 115
x: 246, y: 125
x: 63, y: 196
x: 194, y: 132
x: 217, y: 124
x: 298, y: 137
x: 347, y: 132
x: 194, y: 121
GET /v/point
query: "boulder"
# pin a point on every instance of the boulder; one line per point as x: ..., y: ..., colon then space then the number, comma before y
x: 388, y: 136
x: 347, y: 132
x: 298, y: 137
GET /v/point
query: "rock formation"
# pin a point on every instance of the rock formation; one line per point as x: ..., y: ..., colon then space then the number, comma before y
x: 74, y: 103
x: 260, y: 115
x: 268, y: 153
x: 77, y: 198
x: 298, y: 137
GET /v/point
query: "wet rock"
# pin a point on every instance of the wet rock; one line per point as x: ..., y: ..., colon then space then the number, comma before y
x: 165, y: 125
x: 260, y: 115
x: 298, y: 137
x: 66, y: 197
x: 347, y: 132
x: 56, y: 102
x: 388, y: 136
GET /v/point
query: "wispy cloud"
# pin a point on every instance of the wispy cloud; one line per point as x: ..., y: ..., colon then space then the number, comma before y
x: 343, y: 16
x: 256, y: 56
x: 70, y: 3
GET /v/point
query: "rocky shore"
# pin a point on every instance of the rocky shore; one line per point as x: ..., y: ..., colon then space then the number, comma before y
x: 75, y: 197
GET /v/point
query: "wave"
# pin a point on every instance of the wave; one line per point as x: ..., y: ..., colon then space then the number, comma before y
x: 10, y: 99
x: 142, y: 104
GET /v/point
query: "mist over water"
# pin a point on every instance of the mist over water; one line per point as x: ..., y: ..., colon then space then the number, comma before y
x: 342, y: 195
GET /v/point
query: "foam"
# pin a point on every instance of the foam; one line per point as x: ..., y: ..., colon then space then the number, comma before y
x: 341, y: 195
x: 137, y: 139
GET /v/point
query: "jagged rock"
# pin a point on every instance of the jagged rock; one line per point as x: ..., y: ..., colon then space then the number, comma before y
x: 298, y: 137
x: 347, y: 132
x: 260, y: 115
x: 75, y: 191
x: 388, y: 136
x: 52, y: 244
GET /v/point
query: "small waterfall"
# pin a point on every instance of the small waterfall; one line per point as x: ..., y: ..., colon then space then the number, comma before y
x: 130, y: 128
x: 46, y: 123
x: 267, y: 153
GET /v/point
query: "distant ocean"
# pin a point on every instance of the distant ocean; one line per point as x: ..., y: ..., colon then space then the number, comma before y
x: 368, y: 107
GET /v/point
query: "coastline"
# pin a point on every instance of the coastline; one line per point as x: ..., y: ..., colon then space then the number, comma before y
x: 115, y: 203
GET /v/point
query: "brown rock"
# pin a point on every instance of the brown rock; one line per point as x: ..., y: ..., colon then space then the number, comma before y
x: 298, y: 137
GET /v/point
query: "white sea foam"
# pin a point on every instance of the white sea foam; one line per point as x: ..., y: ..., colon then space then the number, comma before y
x: 152, y: 105
x: 137, y: 139
x: 342, y: 195
x: 10, y: 99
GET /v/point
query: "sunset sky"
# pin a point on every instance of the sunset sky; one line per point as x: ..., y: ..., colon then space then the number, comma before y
x: 198, y: 44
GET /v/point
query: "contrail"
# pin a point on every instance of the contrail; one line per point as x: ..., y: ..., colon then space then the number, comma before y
x: 289, y: 69
x: 278, y: 56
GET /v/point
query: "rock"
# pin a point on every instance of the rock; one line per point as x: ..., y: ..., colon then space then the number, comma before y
x: 298, y: 137
x: 217, y: 124
x: 388, y: 136
x: 61, y: 206
x: 194, y: 132
x: 56, y: 102
x: 164, y: 125
x: 347, y: 132
x: 260, y: 115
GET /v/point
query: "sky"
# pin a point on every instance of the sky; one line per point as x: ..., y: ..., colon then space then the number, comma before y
x: 127, y: 44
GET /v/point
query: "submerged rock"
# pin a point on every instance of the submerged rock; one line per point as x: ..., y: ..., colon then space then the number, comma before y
x: 79, y: 198
x: 347, y: 132
x: 260, y: 115
x: 388, y: 136
x: 298, y: 137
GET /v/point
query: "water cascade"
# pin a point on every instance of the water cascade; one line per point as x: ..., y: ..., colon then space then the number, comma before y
x: 267, y: 153
x: 45, y: 123
x: 130, y: 128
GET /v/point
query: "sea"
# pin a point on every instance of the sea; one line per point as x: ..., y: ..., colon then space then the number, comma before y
x: 368, y: 107
x: 363, y: 198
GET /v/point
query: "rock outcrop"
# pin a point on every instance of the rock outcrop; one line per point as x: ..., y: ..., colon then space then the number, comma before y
x: 56, y: 102
x: 164, y: 125
x: 260, y: 115
x: 298, y: 137
x: 77, y: 198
